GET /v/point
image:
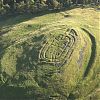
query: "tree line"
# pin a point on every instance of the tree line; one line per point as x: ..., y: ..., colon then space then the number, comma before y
x: 34, y: 5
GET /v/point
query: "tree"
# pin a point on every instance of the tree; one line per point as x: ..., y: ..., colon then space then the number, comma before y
x: 1, y: 4
x: 52, y: 3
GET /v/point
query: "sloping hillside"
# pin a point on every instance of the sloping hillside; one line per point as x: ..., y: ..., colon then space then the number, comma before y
x: 55, y: 56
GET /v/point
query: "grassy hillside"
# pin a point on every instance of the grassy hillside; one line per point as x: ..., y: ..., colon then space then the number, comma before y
x: 53, y: 56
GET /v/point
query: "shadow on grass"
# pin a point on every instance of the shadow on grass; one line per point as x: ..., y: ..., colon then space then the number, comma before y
x: 21, y: 93
x: 18, y: 18
x: 12, y: 93
x: 26, y: 16
x: 4, y: 32
x: 93, y: 52
x: 29, y: 57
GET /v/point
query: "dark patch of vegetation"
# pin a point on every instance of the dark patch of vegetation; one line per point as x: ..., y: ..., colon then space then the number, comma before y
x: 32, y: 6
x: 4, y: 32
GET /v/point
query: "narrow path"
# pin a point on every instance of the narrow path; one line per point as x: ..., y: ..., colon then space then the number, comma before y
x: 81, y: 54
x: 93, y: 52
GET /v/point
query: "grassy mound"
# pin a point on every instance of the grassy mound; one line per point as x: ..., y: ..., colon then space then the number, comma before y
x: 50, y: 56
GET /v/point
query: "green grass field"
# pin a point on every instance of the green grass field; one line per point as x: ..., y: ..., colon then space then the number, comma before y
x: 53, y: 56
